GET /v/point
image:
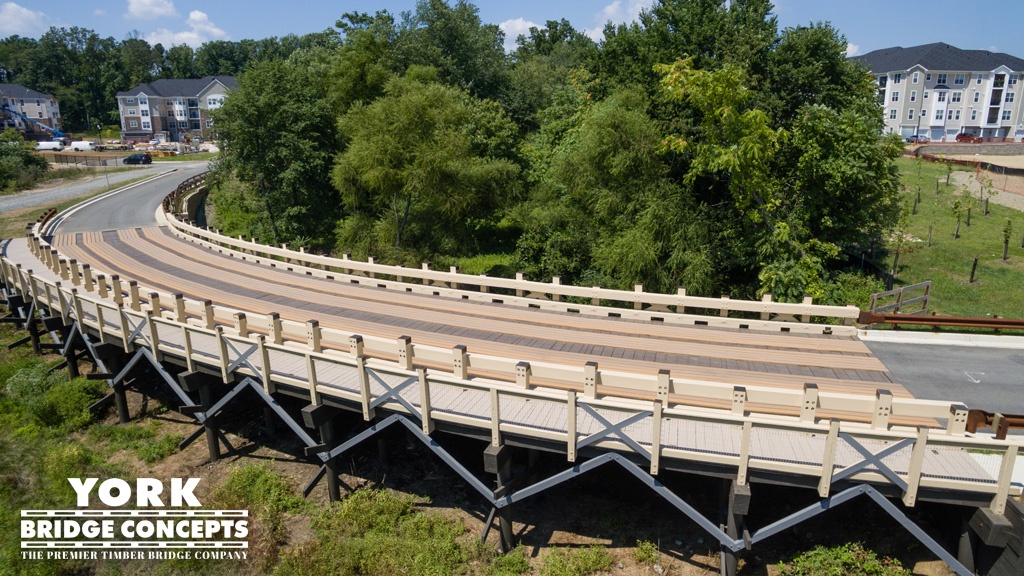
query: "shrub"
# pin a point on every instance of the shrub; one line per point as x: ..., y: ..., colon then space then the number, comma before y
x: 510, y: 564
x: 260, y: 490
x: 646, y: 552
x: 850, y: 559
x: 52, y: 399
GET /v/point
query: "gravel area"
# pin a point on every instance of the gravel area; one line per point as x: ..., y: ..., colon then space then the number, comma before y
x: 64, y: 190
x: 1010, y: 188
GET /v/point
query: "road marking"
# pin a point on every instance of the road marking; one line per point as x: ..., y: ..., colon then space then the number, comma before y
x: 970, y: 376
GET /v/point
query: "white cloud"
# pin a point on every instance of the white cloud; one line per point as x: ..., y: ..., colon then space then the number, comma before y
x: 852, y: 50
x: 99, y: 12
x: 15, y: 19
x: 618, y: 12
x: 993, y: 49
x: 201, y: 29
x: 150, y: 9
x: 513, y: 28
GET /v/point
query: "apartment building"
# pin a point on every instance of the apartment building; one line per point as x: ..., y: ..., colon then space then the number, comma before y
x: 938, y: 91
x: 28, y: 111
x: 172, y: 110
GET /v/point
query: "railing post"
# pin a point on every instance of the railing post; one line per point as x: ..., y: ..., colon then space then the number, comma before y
x: 523, y: 373
x: 125, y: 332
x: 405, y: 352
x: 265, y: 374
x: 427, y: 421
x: 656, y: 417
x: 883, y: 409
x: 766, y: 307
x: 664, y: 385
x: 364, y: 388
x: 222, y: 345
x: 828, y: 458
x: 154, y: 303
x: 87, y: 277
x: 313, y: 335
x: 810, y: 402
x: 957, y: 423
x: 355, y: 345
x: 460, y: 362
x: 241, y: 325
x: 154, y: 336
x: 556, y: 281
x: 133, y: 295
x: 590, y: 377
x: 638, y: 291
x: 73, y: 272
x: 76, y: 304
x: 739, y: 400
x: 741, y: 472
x: 998, y: 505
x: 916, y: 464
x: 115, y: 285
x: 179, y: 308
x: 724, y: 307
x: 209, y: 320
x: 314, y: 394
x: 519, y: 281
x: 101, y: 286
x: 65, y: 273
x: 570, y: 419
x: 495, y: 418
x: 274, y: 328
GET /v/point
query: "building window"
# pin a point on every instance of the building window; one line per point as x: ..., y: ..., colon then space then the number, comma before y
x: 974, y: 114
x: 209, y: 123
x: 132, y: 112
x: 982, y: 77
x: 40, y: 114
x: 927, y: 77
x: 143, y: 101
x: 958, y: 79
x: 938, y: 114
x: 925, y: 95
x: 977, y: 96
x: 194, y: 125
x: 1007, y: 114
x: 942, y: 96
x: 956, y: 96
x: 172, y: 124
x: 131, y: 101
x: 1013, y: 79
x: 910, y: 114
x: 913, y: 95
x: 896, y: 96
x: 897, y: 78
x: 917, y: 76
x: 134, y: 124
x: 145, y: 125
x: 892, y: 113
x: 145, y: 112
x: 957, y: 116
x: 940, y: 79
x: 170, y: 113
x: 949, y: 115
x: 924, y: 113
x: 1009, y: 97
x: 181, y: 113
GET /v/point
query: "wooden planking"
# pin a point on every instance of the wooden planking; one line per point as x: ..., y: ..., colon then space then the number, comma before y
x: 173, y: 280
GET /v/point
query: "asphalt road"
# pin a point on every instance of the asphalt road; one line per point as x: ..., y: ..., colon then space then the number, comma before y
x: 131, y: 207
x: 990, y: 379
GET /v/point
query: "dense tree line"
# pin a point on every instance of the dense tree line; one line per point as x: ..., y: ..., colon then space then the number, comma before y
x: 85, y: 71
x: 700, y: 146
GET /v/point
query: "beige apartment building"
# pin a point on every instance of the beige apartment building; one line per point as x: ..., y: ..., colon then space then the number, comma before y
x: 939, y: 91
x: 35, y: 114
x: 172, y: 110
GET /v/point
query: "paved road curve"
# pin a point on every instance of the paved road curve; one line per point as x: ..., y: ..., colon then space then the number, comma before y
x: 132, y: 207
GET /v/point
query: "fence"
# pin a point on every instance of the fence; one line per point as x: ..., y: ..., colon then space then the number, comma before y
x: 895, y: 300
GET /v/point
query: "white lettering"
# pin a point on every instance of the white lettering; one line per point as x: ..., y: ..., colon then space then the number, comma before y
x: 82, y: 489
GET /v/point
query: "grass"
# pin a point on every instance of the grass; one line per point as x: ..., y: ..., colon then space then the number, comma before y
x: 576, y: 562
x: 845, y: 560
x: 197, y: 157
x: 947, y: 262
x: 144, y: 441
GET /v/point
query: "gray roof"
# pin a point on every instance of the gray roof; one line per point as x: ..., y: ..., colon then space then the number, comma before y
x: 937, y: 56
x: 19, y: 91
x: 179, y: 87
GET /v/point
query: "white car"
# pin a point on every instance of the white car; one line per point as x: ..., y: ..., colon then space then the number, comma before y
x: 83, y: 146
x: 55, y: 145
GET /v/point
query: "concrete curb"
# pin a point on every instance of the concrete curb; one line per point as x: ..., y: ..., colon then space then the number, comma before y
x: 971, y: 340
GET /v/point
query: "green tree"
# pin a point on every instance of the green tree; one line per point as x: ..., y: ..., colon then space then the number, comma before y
x: 424, y: 164
x: 17, y: 159
x: 279, y: 136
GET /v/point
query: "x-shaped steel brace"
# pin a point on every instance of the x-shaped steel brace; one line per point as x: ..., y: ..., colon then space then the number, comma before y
x: 394, y: 393
x: 243, y: 358
x: 136, y: 330
x: 615, y: 430
x: 871, y: 458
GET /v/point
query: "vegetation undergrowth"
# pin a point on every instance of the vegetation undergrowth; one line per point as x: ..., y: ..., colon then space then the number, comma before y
x: 850, y: 559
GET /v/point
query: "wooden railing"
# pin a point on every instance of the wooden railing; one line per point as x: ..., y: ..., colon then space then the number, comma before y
x: 678, y: 308
x: 895, y: 301
x: 366, y: 371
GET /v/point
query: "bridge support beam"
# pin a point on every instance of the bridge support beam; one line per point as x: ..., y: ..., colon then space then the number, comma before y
x: 322, y: 417
x: 197, y: 381
x: 498, y: 461
x: 736, y: 498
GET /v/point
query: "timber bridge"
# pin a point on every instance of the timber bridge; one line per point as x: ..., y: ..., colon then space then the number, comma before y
x: 750, y: 391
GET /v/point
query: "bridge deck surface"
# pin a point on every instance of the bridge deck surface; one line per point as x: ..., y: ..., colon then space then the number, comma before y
x: 160, y: 261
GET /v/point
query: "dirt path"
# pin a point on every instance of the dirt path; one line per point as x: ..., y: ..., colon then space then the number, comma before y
x: 1010, y: 188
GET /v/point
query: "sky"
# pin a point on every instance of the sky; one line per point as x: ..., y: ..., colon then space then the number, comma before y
x: 867, y: 24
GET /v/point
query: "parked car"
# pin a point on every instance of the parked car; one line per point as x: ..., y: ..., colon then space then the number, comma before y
x: 969, y: 138
x: 54, y: 145
x: 919, y: 139
x: 139, y: 159
x: 83, y: 146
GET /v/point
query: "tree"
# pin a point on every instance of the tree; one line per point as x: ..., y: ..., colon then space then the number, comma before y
x: 423, y: 163
x: 279, y: 136
x: 17, y: 160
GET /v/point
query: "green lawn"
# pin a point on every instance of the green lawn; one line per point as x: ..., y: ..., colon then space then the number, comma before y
x: 947, y: 262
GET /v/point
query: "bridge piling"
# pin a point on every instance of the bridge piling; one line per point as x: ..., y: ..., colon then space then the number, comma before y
x: 737, y: 503
x: 498, y: 461
x: 321, y: 417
